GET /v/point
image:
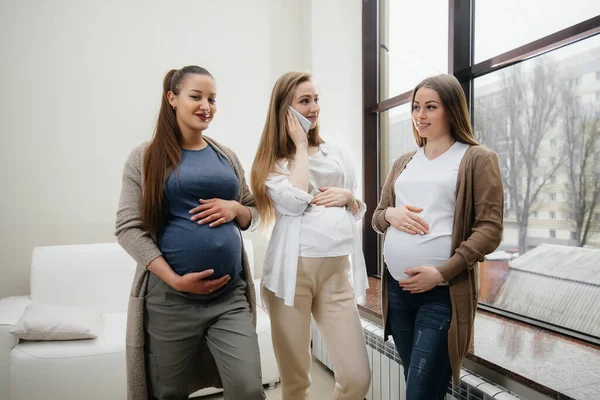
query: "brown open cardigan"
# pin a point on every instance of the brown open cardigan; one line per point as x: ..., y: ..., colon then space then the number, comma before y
x: 478, y: 224
x: 143, y: 249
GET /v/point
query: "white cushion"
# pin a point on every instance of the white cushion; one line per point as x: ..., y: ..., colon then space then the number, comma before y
x: 68, y: 370
x: 88, y: 275
x: 44, y: 322
x: 112, y: 340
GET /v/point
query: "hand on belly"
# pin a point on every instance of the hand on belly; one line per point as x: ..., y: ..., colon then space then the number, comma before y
x: 406, y: 219
x: 215, y: 212
x: 422, y: 279
x: 198, y: 282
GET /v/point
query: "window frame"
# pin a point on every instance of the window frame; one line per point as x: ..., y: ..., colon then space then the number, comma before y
x: 461, y: 64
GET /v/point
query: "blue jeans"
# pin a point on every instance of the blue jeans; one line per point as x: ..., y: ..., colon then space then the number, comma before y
x: 419, y: 324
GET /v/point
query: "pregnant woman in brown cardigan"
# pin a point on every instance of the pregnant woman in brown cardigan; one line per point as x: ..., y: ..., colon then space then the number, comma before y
x: 441, y: 212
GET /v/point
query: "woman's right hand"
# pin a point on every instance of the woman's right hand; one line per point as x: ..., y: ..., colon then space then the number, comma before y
x: 295, y: 131
x: 405, y: 219
x: 197, y: 282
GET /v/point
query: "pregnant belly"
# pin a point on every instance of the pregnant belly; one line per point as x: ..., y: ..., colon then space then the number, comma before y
x: 402, y: 250
x: 189, y: 247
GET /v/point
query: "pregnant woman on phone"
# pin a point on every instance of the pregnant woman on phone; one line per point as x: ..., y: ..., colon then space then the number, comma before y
x: 307, y: 187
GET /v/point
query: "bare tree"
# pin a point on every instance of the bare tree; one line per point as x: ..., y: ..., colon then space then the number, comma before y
x: 520, y: 118
x: 581, y: 148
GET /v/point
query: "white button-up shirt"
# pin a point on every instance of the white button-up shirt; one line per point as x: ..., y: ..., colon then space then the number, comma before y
x: 291, y: 205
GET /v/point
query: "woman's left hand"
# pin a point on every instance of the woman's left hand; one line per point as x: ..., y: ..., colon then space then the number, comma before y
x: 215, y: 211
x: 333, y: 197
x: 422, y: 279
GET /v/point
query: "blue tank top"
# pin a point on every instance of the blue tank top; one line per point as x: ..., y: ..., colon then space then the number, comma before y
x: 186, y: 245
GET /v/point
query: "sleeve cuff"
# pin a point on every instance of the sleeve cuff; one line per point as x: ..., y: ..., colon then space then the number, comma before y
x: 452, y: 267
x: 255, y: 219
x: 381, y: 223
x: 362, y: 209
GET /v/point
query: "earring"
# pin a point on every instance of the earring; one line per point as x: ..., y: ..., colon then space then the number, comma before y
x: 173, y: 108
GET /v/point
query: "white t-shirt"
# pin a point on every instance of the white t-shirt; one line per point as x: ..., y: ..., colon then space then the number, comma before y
x: 326, y: 231
x: 430, y: 185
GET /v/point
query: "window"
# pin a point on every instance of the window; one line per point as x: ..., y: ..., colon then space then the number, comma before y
x: 396, y: 135
x: 502, y: 25
x: 403, y: 63
x: 525, y: 79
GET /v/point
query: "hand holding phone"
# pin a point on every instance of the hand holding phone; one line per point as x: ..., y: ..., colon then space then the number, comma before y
x: 295, y: 131
x: 305, y: 123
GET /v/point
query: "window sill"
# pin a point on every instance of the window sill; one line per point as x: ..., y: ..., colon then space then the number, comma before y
x: 547, y: 362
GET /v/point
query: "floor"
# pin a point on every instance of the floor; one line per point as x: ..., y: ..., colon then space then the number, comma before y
x: 321, y: 388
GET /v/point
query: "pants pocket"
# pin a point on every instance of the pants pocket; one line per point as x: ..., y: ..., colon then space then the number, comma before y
x: 152, y: 372
x: 153, y: 283
x: 340, y: 286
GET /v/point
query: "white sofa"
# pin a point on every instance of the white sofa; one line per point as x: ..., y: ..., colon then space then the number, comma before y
x: 97, y: 276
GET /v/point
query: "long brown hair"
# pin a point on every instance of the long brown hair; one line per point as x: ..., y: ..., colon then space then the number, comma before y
x: 455, y: 104
x: 275, y: 144
x: 164, y: 152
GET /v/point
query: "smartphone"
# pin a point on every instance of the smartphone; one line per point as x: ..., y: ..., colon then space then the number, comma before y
x: 303, y: 121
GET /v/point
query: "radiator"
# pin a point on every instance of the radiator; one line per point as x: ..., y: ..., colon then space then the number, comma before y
x: 387, y: 375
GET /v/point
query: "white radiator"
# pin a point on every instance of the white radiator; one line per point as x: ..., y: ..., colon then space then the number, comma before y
x: 387, y: 375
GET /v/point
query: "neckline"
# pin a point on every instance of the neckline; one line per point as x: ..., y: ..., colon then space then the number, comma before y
x: 195, y: 151
x: 441, y: 155
x: 317, y: 153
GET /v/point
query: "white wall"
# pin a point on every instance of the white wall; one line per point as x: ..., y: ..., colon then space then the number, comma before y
x: 337, y: 69
x: 81, y: 84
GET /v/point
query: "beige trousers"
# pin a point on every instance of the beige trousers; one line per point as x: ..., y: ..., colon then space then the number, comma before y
x: 323, y: 288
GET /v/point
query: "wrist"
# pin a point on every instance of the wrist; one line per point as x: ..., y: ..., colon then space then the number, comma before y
x: 386, y: 214
x: 238, y: 209
x: 302, y: 147
x: 174, y: 281
x: 351, y: 200
x: 439, y: 276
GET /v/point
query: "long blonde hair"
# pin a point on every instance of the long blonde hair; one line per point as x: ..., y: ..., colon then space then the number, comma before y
x: 454, y: 102
x: 275, y: 145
